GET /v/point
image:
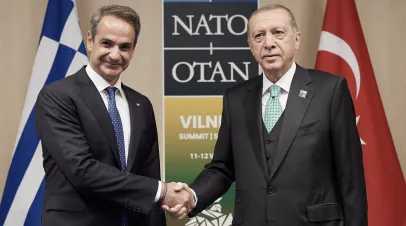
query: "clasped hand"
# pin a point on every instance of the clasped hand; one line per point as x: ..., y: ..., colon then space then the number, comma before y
x: 179, y: 200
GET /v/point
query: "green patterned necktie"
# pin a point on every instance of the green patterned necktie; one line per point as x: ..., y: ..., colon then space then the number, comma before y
x: 273, y: 108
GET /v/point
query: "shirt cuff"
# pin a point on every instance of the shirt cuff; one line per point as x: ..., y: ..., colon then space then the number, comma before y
x: 194, y: 196
x: 158, y: 193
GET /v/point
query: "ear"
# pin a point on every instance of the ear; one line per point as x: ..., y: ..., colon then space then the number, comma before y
x: 249, y: 44
x: 89, y: 41
x: 297, y: 40
x: 133, y: 50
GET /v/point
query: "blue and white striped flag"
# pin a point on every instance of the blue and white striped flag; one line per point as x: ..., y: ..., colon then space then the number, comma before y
x: 61, y: 52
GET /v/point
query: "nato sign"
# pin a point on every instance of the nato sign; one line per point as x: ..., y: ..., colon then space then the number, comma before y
x: 205, y: 46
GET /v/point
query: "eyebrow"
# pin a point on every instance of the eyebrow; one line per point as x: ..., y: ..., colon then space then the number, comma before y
x: 262, y: 29
x: 120, y: 44
x: 105, y: 39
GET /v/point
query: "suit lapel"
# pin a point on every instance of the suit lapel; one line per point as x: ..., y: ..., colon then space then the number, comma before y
x: 91, y: 96
x: 253, y: 114
x: 136, y: 124
x: 295, y: 111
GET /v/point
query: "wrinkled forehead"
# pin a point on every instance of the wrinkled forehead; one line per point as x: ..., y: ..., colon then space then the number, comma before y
x: 269, y: 18
x: 110, y: 23
x: 115, y: 29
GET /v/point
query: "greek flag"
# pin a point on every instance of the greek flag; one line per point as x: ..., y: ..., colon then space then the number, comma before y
x: 60, y: 53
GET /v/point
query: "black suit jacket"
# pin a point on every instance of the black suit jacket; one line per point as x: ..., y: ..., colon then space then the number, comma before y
x: 83, y: 181
x: 317, y: 176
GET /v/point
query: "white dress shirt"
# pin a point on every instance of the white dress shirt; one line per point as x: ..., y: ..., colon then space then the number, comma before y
x: 122, y: 107
x: 121, y: 102
x: 284, y: 83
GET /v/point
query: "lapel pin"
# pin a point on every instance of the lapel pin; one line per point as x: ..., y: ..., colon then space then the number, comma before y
x: 303, y: 93
x: 138, y: 105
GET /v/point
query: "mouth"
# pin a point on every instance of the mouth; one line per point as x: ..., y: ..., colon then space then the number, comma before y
x: 270, y: 56
x: 110, y: 64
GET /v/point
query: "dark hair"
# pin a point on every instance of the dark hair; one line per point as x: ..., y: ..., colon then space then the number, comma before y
x: 122, y: 12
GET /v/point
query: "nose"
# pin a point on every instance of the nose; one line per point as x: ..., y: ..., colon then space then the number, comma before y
x: 115, y: 53
x: 269, y: 41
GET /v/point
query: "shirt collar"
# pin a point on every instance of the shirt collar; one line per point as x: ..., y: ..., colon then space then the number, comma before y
x: 99, y: 81
x: 284, y: 82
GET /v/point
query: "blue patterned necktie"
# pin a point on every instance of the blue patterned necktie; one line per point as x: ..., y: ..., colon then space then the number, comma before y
x: 273, y: 108
x: 118, y: 131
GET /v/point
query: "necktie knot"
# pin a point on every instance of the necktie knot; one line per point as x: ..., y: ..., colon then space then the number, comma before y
x: 111, y: 91
x: 274, y: 90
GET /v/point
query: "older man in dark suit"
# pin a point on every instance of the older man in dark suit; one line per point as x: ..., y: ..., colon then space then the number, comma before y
x: 288, y: 139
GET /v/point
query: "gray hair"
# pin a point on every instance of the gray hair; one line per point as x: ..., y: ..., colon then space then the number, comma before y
x: 277, y: 6
x: 121, y: 12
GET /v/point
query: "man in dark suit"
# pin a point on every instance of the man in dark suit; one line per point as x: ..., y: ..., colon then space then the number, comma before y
x: 99, y: 137
x: 288, y: 139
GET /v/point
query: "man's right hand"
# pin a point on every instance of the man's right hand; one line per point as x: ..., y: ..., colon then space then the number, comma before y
x: 179, y: 200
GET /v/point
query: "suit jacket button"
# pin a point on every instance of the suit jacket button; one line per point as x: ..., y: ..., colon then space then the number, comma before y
x: 267, y: 157
x: 270, y: 190
x: 268, y: 142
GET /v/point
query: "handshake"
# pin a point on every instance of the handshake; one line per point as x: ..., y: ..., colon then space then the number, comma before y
x: 177, y: 199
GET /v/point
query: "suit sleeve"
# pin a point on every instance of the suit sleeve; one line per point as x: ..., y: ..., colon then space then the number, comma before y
x: 62, y: 135
x: 152, y: 169
x: 218, y: 175
x: 348, y: 157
